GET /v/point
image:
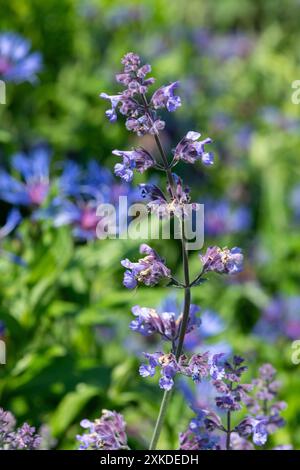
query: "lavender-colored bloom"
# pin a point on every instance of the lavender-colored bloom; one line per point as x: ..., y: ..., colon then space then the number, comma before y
x: 167, y: 324
x: 222, y: 261
x: 263, y: 402
x: 280, y: 318
x: 141, y: 116
x: 114, y: 100
x: 196, y: 367
x: 11, y: 438
x: 226, y: 380
x: 224, y: 47
x: 222, y: 218
x: 134, y: 79
x: 178, y: 206
x: 105, y: 433
x: 17, y: 63
x: 197, y: 436
x: 24, y: 438
x: 239, y: 443
x: 34, y: 170
x: 139, y: 159
x: 190, y: 149
x: 164, y: 97
x: 148, y: 270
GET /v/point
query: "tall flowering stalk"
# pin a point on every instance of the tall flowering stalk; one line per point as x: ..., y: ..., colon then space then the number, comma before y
x: 142, y: 117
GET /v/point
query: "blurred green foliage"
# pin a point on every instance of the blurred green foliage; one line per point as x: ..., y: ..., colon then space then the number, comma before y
x: 69, y: 349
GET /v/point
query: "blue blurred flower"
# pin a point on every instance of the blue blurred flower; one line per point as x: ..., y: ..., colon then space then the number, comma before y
x: 80, y: 193
x: 295, y: 201
x: 280, y: 318
x: 222, y: 218
x: 13, y: 219
x: 33, y: 186
x: 17, y: 63
x: 224, y: 46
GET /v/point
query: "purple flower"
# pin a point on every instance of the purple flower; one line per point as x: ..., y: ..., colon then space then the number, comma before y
x: 222, y: 260
x: 138, y: 159
x: 159, y: 205
x: 221, y: 218
x: 167, y: 324
x: 34, y: 170
x: 148, y: 270
x: 22, y: 438
x: 262, y: 404
x: 280, y: 318
x: 114, y: 100
x: 197, y: 436
x: 105, y: 433
x: 17, y: 64
x: 141, y: 116
x: 134, y: 79
x: 164, y: 97
x: 190, y: 149
x: 196, y: 367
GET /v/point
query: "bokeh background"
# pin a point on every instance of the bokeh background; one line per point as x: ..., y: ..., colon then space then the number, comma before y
x: 63, y: 310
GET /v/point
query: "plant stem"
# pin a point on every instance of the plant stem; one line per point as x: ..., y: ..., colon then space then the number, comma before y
x: 228, y: 430
x: 186, y: 309
x: 160, y: 419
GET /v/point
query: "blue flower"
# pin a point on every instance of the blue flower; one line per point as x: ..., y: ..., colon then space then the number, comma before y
x: 164, y: 97
x: 222, y: 218
x: 105, y: 433
x: 13, y: 219
x: 148, y: 270
x: 190, y: 149
x: 222, y: 261
x: 17, y: 63
x: 80, y: 193
x: 139, y: 159
x: 34, y: 170
x: 167, y: 324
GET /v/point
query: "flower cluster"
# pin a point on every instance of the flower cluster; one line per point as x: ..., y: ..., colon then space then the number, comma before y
x: 17, y: 63
x: 190, y: 149
x: 148, y: 270
x: 167, y: 324
x: 263, y: 418
x: 12, y: 438
x: 222, y: 260
x: 141, y: 115
x: 196, y: 367
x: 139, y: 159
x: 179, y: 204
x: 206, y: 430
x: 264, y: 403
x: 105, y: 433
x: 71, y: 198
